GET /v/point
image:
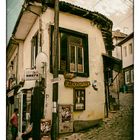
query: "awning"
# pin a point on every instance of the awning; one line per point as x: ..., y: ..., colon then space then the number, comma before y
x: 112, y: 63
x: 27, y: 85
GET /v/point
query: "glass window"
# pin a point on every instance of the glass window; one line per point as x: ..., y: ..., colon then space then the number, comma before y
x: 73, y: 52
x: 127, y: 77
x: 132, y: 76
x: 63, y: 52
x: 125, y: 51
x: 130, y: 48
x: 34, y: 49
x: 72, y: 58
x: 80, y: 59
x: 79, y: 99
x: 76, y: 54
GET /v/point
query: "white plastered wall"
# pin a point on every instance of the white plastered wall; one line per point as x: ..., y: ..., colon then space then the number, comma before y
x: 128, y: 60
x: 94, y: 99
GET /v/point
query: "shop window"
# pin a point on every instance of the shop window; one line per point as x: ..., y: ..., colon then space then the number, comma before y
x: 34, y: 49
x: 79, y: 99
x: 73, y: 52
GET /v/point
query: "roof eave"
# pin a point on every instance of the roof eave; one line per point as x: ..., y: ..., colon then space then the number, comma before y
x: 125, y: 39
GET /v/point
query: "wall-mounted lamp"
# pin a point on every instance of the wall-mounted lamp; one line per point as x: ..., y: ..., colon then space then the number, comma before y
x: 94, y: 85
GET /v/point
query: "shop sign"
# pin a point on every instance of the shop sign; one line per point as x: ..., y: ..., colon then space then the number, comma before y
x: 31, y: 74
x: 72, y: 84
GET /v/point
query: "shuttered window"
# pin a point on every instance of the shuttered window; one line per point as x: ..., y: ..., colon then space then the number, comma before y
x: 73, y: 52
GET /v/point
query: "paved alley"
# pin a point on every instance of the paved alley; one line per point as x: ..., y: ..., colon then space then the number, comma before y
x: 118, y: 126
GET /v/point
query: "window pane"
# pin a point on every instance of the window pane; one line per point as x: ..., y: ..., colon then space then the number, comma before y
x: 76, y: 54
x: 79, y: 99
x: 127, y: 77
x: 63, y: 51
x: 125, y: 51
x: 72, y: 58
x: 34, y: 49
x: 80, y: 59
x: 130, y: 48
x: 132, y: 76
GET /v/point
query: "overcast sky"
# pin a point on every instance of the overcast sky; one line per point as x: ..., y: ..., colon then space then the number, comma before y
x: 119, y: 11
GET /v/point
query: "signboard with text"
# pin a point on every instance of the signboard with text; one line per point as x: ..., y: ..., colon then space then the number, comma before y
x: 31, y: 74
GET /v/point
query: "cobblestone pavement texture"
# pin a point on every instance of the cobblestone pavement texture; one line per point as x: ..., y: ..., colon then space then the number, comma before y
x: 118, y: 126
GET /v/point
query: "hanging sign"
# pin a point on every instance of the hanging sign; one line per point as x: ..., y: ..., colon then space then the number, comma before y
x: 75, y: 84
x: 31, y: 74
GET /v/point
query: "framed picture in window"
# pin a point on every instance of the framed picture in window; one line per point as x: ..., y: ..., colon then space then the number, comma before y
x: 79, y: 99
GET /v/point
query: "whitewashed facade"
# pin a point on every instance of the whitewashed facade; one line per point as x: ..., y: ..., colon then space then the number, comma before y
x: 94, y: 100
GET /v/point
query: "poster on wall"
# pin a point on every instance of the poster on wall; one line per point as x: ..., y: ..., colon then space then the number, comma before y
x: 45, y: 127
x: 65, y: 118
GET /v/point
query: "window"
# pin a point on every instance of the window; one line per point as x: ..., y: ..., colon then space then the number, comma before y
x: 125, y: 51
x: 127, y: 77
x: 132, y: 76
x: 79, y: 99
x: 34, y: 49
x: 76, y: 54
x: 73, y: 52
x: 130, y: 48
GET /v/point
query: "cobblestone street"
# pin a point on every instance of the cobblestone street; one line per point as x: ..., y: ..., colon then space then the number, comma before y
x: 118, y: 126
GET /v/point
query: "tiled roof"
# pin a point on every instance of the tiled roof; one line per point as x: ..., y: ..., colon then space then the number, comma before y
x: 77, y: 10
x: 126, y: 39
x: 98, y: 19
x: 117, y: 33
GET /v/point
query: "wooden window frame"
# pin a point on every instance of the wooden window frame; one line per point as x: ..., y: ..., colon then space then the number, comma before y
x: 84, y: 38
x: 78, y: 102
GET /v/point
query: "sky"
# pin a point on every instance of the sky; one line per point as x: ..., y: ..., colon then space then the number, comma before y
x: 13, y: 8
x: 119, y: 11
